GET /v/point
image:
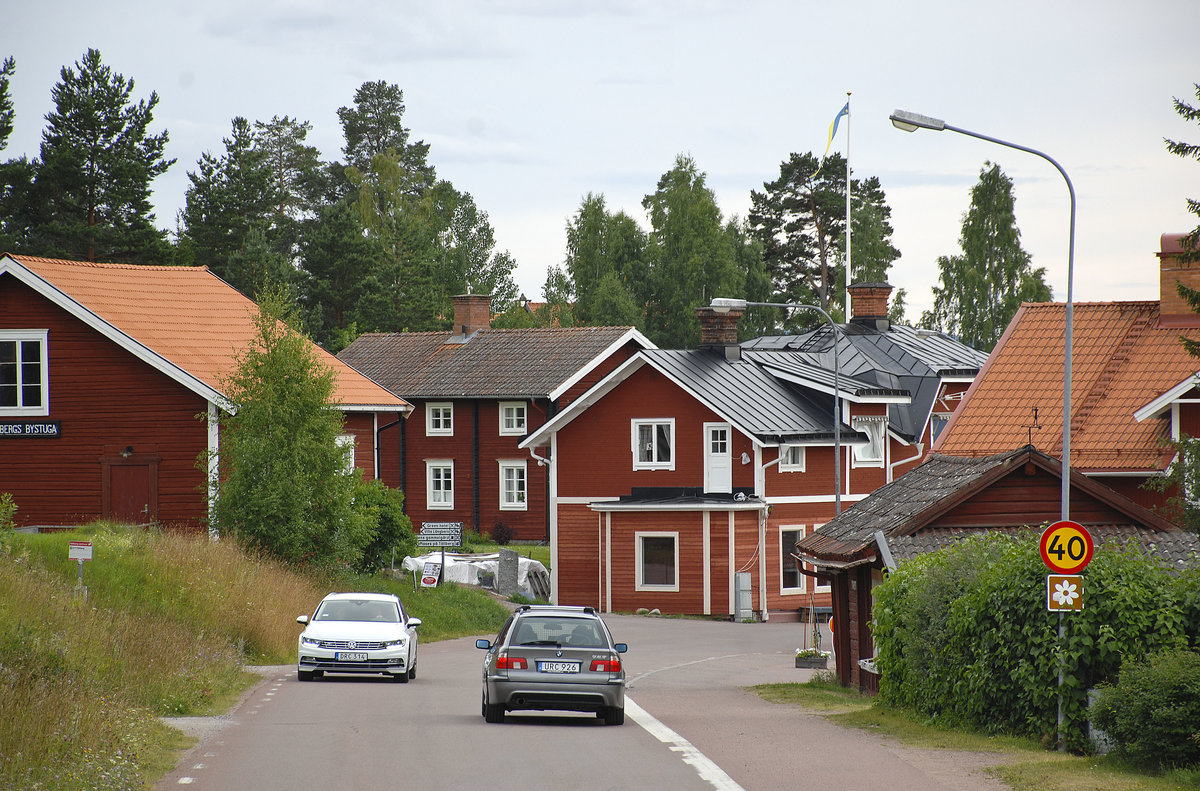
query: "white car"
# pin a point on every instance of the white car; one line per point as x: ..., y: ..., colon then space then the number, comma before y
x: 358, y: 633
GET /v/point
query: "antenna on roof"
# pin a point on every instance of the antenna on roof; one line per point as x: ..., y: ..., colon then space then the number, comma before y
x: 1029, y: 427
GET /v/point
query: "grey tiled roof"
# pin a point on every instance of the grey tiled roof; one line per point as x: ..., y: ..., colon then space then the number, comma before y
x: 903, y: 508
x: 1180, y: 549
x: 492, y: 363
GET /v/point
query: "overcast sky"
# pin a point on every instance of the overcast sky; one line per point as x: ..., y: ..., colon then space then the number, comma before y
x: 531, y: 104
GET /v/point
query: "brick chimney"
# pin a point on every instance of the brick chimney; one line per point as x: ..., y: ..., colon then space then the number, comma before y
x: 1173, y: 310
x: 869, y: 305
x: 472, y: 312
x: 719, y: 330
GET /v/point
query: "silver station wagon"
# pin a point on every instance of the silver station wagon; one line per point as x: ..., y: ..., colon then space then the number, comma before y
x: 549, y: 658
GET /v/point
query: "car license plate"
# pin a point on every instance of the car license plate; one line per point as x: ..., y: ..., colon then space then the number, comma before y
x: 351, y: 656
x: 558, y: 667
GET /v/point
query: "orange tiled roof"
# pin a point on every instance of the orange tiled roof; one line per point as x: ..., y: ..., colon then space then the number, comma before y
x: 1122, y: 360
x: 186, y: 315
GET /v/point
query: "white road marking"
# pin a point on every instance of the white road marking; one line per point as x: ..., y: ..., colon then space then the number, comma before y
x: 183, y: 781
x: 703, y: 765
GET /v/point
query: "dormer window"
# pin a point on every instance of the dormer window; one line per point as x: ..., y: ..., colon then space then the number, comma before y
x: 871, y: 454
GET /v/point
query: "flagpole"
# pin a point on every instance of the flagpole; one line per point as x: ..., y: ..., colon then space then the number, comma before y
x: 848, y: 268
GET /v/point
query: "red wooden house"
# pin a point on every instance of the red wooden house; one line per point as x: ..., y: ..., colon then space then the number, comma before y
x: 1134, y: 387
x: 110, y: 386
x: 477, y: 392
x: 683, y: 480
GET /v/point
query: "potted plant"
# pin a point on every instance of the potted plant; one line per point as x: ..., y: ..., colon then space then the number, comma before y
x: 812, y: 657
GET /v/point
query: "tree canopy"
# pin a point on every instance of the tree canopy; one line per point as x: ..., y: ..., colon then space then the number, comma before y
x: 981, y: 288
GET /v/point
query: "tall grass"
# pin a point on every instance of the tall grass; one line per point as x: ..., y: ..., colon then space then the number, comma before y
x: 167, y: 626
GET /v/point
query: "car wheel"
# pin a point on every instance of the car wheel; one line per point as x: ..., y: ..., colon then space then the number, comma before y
x: 493, y: 712
x: 482, y: 704
x: 304, y: 675
x: 412, y: 673
x: 401, y: 678
x: 614, y: 715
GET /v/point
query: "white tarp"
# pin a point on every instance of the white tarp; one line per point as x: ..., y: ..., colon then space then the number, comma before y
x: 465, y: 568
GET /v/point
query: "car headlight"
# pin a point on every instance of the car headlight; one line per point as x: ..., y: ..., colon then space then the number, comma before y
x: 309, y: 641
x: 398, y: 642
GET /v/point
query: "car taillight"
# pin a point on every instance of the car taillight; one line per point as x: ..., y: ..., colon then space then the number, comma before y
x: 506, y: 662
x: 606, y: 665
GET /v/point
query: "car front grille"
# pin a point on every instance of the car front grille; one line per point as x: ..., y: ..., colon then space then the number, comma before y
x: 352, y: 645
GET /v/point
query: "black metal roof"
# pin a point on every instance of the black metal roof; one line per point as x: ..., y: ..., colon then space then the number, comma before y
x: 746, y: 394
x: 898, y: 360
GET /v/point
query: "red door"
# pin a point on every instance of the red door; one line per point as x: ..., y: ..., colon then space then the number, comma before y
x: 130, y: 493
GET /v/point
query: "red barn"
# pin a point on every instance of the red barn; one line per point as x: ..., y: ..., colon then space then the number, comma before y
x: 110, y: 386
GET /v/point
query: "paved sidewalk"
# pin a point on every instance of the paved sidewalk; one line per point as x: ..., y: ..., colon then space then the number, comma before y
x: 692, y: 675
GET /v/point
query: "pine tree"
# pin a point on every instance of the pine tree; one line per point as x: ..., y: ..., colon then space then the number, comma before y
x: 97, y: 162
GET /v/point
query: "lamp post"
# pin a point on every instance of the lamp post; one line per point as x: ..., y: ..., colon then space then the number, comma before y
x: 724, y: 305
x: 911, y: 122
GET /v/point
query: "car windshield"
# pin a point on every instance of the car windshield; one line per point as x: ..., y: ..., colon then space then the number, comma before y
x: 559, y: 631
x: 358, y: 610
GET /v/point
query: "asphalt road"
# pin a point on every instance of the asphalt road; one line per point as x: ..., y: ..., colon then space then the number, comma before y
x: 689, y: 725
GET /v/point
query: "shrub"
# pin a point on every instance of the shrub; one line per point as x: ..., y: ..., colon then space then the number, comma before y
x: 963, y: 634
x: 384, y: 507
x: 1153, y: 711
x: 8, y: 511
x: 502, y: 534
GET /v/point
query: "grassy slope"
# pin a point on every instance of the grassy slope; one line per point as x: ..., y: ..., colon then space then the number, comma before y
x: 167, y: 625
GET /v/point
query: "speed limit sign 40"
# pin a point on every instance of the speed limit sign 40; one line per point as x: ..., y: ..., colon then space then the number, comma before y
x: 1066, y: 547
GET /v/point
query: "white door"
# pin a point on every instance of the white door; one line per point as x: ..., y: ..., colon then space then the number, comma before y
x: 718, y: 461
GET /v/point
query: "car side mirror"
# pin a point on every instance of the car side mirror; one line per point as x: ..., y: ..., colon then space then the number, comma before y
x: 621, y: 648
x: 414, y: 621
x: 302, y: 619
x: 485, y: 644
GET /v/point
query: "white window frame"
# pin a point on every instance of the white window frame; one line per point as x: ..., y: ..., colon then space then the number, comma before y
x: 509, y: 411
x: 447, y: 503
x: 786, y: 463
x: 787, y: 562
x: 641, y: 584
x: 635, y: 426
x: 445, y: 412
x: 514, y: 504
x: 20, y: 337
x: 346, y: 443
x: 873, y: 454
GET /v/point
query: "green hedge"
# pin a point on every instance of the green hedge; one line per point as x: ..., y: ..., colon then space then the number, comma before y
x: 1153, y: 711
x: 963, y: 634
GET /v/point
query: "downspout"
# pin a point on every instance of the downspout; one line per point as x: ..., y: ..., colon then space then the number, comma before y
x: 378, y: 455
x: 891, y: 475
x: 475, y: 468
x: 404, y: 466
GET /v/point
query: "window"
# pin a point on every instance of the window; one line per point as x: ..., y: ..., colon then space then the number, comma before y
x: 24, y: 378
x: 512, y: 486
x: 440, y: 484
x: 657, y: 561
x: 871, y: 454
x: 937, y: 422
x: 439, y: 419
x: 512, y: 417
x: 346, y: 443
x: 790, y: 578
x: 653, y: 443
x: 791, y: 458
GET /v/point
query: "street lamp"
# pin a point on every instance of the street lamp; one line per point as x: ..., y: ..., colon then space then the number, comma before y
x: 911, y: 122
x: 724, y: 305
